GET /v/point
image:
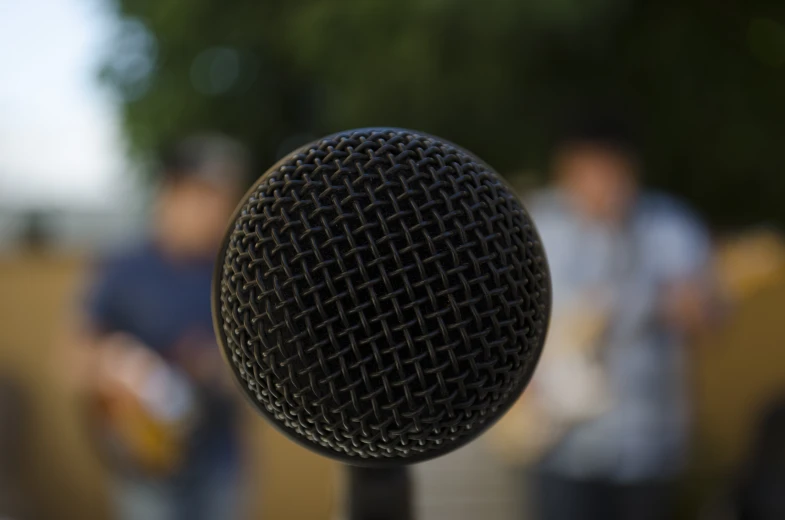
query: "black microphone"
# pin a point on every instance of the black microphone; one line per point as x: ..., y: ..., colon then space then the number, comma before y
x: 381, y: 296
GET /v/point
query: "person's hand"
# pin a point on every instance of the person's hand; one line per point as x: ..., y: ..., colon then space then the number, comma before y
x: 200, y: 358
x: 685, y: 307
x: 123, y: 362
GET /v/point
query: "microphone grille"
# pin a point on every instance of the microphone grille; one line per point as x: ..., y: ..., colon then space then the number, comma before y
x: 381, y: 296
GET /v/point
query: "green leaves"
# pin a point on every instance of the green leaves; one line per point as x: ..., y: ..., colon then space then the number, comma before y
x: 703, y: 81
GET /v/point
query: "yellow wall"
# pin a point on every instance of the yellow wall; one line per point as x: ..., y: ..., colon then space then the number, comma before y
x: 36, y: 291
x: 737, y: 370
x: 33, y: 295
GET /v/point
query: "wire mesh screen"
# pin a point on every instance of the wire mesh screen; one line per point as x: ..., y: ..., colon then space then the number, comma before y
x: 382, y: 296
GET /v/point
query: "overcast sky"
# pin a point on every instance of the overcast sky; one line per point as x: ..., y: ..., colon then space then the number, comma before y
x: 60, y: 140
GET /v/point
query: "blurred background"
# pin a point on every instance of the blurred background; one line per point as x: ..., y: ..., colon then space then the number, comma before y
x: 93, y: 89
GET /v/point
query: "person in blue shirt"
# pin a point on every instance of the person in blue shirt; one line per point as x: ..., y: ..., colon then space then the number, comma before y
x: 631, y: 282
x: 168, y: 412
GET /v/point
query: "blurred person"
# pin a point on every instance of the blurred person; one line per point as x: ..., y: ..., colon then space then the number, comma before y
x: 630, y: 284
x: 146, y: 356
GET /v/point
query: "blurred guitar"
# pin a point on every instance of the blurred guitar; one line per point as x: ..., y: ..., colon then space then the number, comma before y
x: 143, y: 410
x: 569, y: 387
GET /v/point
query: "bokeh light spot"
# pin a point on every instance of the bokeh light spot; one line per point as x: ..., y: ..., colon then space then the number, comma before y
x: 216, y: 70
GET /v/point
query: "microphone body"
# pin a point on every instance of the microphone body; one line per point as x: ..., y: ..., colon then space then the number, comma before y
x: 381, y: 297
x: 379, y: 493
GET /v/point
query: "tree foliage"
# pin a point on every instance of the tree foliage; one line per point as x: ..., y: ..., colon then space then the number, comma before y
x: 705, y: 80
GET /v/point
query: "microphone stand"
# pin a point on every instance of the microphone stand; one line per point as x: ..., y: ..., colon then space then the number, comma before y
x: 379, y: 493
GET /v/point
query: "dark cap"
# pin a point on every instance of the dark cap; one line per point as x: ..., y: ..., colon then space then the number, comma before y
x: 213, y: 158
x: 607, y: 130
